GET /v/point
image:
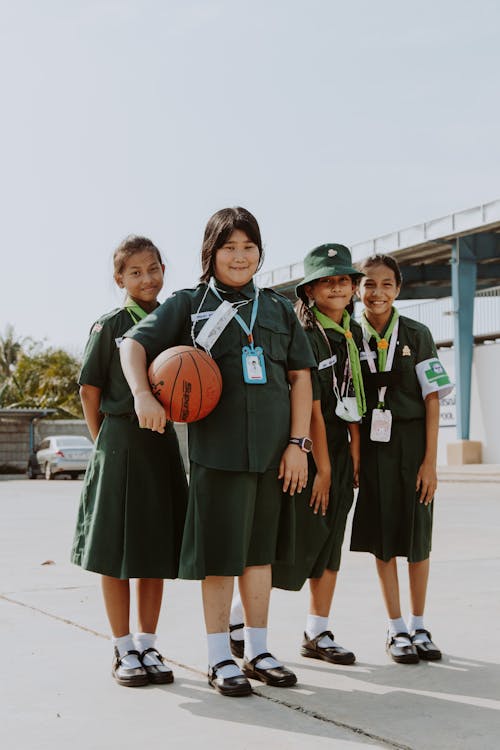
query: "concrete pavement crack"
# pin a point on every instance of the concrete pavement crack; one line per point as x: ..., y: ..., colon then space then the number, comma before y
x: 280, y: 702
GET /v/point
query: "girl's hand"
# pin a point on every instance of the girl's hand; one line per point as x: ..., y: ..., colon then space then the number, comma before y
x: 355, y: 476
x: 320, y: 495
x: 426, y: 482
x: 150, y: 412
x: 293, y: 469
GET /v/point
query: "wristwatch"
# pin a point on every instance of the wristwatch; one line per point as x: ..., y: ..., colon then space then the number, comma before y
x: 304, y: 443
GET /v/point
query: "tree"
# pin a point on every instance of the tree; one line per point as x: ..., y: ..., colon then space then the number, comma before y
x: 43, y: 378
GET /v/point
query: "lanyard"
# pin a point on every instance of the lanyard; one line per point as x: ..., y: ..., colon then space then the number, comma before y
x: 237, y: 317
x: 134, y: 310
x: 389, y: 355
x: 347, y: 369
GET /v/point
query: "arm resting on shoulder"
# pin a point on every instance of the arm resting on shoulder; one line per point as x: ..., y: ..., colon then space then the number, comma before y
x: 150, y: 412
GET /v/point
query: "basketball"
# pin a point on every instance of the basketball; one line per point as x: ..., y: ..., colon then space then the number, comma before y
x: 187, y: 382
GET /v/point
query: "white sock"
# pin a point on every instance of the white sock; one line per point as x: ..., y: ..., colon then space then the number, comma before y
x: 219, y: 650
x: 416, y: 622
x: 147, y: 640
x: 255, y: 644
x: 316, y: 625
x: 236, y: 616
x: 398, y: 626
x: 126, y: 643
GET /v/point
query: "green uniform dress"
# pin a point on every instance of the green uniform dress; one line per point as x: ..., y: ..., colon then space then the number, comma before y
x: 237, y: 513
x: 133, y: 503
x: 318, y: 539
x: 389, y: 520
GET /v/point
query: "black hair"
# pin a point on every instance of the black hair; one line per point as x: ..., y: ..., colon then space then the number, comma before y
x: 130, y: 246
x: 219, y: 228
x: 382, y: 260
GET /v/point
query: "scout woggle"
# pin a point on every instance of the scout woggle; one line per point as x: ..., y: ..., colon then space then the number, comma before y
x: 252, y: 357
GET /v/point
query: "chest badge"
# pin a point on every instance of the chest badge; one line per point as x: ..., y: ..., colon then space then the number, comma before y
x: 406, y: 351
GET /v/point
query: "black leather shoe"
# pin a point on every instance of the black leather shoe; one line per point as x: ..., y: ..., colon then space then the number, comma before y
x: 231, y: 686
x: 275, y: 676
x: 333, y: 654
x: 156, y: 675
x: 237, y: 647
x: 401, y: 654
x: 426, y: 650
x: 126, y: 676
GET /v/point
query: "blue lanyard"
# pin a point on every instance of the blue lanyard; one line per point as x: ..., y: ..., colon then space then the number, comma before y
x: 237, y: 317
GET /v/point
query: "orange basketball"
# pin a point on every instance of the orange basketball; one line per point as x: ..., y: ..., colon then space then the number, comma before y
x: 187, y: 382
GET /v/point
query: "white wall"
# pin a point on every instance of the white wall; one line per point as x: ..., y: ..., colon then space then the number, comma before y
x: 485, y: 403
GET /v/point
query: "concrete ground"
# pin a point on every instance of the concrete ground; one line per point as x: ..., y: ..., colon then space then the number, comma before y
x: 56, y: 690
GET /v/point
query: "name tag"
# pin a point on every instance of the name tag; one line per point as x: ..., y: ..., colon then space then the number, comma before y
x: 381, y: 425
x: 327, y: 362
x: 214, y: 326
x: 367, y: 355
x: 201, y: 316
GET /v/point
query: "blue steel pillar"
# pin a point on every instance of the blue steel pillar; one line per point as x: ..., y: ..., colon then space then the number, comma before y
x: 463, y: 284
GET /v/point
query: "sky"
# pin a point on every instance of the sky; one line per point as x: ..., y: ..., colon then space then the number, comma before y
x: 331, y: 121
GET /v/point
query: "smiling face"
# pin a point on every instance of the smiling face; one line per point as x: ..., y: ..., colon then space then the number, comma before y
x: 378, y: 290
x: 331, y: 295
x: 237, y: 260
x: 142, y: 277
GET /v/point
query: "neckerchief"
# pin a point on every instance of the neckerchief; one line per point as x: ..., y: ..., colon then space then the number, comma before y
x: 382, y: 342
x: 352, y: 353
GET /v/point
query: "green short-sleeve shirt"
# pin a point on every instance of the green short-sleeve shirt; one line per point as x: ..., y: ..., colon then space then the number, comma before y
x: 250, y: 426
x: 101, y: 362
x: 404, y: 393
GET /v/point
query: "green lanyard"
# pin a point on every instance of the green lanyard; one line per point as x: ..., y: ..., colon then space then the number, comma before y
x: 134, y: 310
x: 382, y: 342
x: 352, y: 353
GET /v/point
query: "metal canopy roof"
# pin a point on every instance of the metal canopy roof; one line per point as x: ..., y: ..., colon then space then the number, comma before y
x: 424, y: 253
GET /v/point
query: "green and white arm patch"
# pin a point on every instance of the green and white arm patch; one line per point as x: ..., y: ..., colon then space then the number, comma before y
x: 433, y: 378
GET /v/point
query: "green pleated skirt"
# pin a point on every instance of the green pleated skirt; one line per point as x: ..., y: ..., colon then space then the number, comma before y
x: 133, y: 503
x: 389, y: 521
x: 234, y: 520
x: 318, y: 539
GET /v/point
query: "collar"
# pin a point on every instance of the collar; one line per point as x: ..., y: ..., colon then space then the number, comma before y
x: 247, y: 291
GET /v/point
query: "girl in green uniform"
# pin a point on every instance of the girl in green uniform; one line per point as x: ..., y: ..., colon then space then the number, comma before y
x: 242, y: 460
x: 404, y: 380
x: 325, y: 296
x: 133, y: 503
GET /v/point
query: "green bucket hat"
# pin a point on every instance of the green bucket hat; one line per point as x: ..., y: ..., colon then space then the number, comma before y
x: 326, y: 260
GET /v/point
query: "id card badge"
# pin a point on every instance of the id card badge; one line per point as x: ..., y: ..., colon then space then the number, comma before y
x: 381, y: 425
x: 254, y: 366
x: 214, y: 326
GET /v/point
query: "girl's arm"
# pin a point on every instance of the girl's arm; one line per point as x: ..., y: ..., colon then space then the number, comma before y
x: 150, y: 412
x: 293, y: 464
x: 320, y: 494
x: 90, y: 396
x: 354, y: 447
x: 427, y: 476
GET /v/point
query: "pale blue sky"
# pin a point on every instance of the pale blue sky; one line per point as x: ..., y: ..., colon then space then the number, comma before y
x: 331, y: 121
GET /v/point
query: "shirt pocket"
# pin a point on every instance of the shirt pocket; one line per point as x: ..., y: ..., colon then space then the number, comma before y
x: 274, y: 339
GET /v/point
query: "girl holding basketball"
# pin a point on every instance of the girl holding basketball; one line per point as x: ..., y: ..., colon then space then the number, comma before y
x: 133, y: 503
x: 249, y: 451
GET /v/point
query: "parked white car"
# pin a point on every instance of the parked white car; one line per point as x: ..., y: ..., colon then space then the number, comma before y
x: 60, y: 454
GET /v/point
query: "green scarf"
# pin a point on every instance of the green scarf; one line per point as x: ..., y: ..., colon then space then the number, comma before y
x: 382, y: 342
x: 352, y: 353
x: 134, y: 310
